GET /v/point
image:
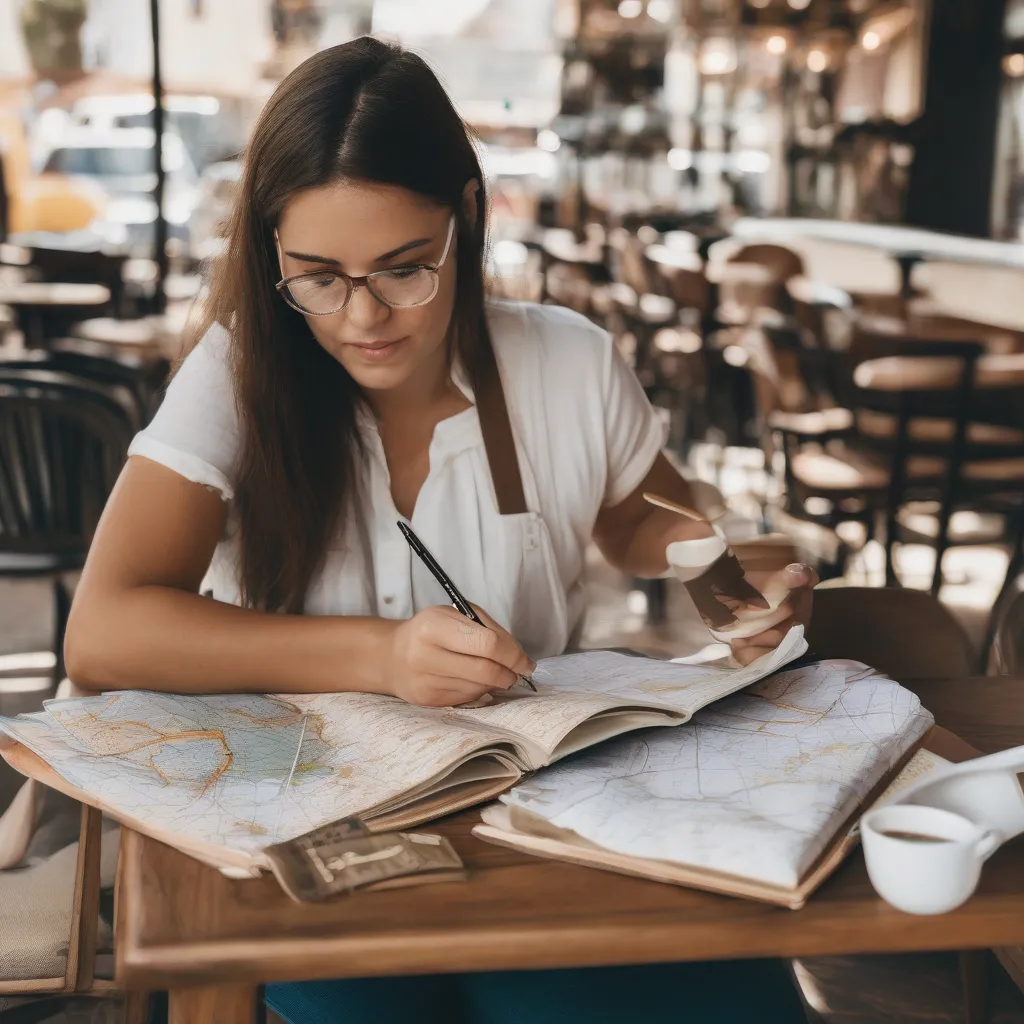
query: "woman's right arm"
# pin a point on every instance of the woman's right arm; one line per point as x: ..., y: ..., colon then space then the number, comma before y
x: 139, y: 622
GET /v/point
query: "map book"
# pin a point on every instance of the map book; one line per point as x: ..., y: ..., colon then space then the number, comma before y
x: 224, y: 776
x: 758, y: 796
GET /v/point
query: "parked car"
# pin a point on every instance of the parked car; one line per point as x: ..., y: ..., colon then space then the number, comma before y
x: 196, y: 119
x: 121, y: 161
x: 42, y: 202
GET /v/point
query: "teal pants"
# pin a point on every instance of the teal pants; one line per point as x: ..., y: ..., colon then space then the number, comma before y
x: 726, y: 992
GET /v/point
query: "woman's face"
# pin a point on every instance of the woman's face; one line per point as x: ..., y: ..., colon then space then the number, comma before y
x: 359, y: 229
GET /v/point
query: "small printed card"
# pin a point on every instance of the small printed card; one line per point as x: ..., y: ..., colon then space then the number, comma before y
x: 345, y: 856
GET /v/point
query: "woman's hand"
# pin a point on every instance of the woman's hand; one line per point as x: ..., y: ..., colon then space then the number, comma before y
x: 439, y: 658
x: 800, y: 581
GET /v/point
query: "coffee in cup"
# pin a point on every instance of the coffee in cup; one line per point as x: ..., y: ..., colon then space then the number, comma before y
x: 924, y: 860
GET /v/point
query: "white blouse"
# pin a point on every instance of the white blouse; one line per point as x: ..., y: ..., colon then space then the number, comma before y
x: 585, y: 434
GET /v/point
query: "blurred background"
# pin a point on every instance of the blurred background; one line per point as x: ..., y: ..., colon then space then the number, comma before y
x: 801, y: 220
x: 762, y: 200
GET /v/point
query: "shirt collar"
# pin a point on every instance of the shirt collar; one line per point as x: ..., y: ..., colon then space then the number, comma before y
x: 450, y: 436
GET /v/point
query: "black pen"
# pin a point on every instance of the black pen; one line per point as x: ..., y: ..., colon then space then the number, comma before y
x: 458, y: 601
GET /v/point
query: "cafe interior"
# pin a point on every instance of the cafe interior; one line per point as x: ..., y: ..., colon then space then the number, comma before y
x: 801, y: 221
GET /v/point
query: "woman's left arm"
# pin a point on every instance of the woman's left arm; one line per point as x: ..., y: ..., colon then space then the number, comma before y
x: 634, y: 534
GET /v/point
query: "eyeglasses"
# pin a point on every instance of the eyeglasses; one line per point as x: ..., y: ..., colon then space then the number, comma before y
x: 324, y: 292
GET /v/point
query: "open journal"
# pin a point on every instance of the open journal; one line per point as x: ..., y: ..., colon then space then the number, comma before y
x: 757, y: 797
x: 224, y: 776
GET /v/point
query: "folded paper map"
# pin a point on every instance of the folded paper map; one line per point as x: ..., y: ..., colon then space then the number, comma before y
x: 755, y: 797
x: 224, y: 776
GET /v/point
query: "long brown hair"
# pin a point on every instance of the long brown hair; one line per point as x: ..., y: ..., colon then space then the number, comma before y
x: 362, y: 111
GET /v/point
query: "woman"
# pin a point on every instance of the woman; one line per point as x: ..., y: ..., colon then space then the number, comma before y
x: 352, y: 374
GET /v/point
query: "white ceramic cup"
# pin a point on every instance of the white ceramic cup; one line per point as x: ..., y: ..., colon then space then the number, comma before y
x: 924, y: 860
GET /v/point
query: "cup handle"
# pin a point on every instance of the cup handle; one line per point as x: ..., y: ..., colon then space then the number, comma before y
x: 988, y: 844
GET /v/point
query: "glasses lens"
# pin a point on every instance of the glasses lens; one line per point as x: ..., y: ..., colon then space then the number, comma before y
x: 319, y: 293
x: 409, y: 286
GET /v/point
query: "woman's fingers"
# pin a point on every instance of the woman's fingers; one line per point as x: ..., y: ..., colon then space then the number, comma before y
x: 446, y: 692
x: 750, y: 649
x: 481, y: 672
x: 748, y: 655
x: 457, y: 633
x: 791, y: 591
x: 800, y: 581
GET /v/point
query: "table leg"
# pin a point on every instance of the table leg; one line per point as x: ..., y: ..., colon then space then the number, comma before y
x: 34, y: 330
x: 974, y: 980
x: 223, y: 1004
x: 136, y: 1008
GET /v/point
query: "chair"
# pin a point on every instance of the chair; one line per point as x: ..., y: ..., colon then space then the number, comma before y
x: 142, y: 373
x: 142, y: 376
x: 783, y: 262
x: 756, y: 276
x: 57, y: 863
x: 63, y: 441
x: 907, y: 634
x: 73, y: 266
x: 975, y: 428
x: 922, y: 432
x: 1003, y: 651
x: 791, y: 407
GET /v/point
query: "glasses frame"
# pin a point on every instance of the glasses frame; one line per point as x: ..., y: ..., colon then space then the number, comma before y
x: 366, y: 281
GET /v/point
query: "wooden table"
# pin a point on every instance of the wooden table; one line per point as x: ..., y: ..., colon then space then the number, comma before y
x: 35, y: 300
x: 987, y: 711
x: 893, y: 238
x: 181, y: 924
x: 923, y: 320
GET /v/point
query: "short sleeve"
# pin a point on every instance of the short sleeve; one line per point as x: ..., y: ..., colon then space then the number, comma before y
x: 195, y: 431
x: 634, y: 434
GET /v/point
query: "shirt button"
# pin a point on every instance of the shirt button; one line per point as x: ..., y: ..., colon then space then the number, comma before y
x: 389, y: 599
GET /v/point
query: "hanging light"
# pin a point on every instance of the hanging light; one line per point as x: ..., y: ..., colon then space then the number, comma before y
x: 871, y: 40
x: 680, y: 159
x: 817, y: 60
x: 752, y: 161
x: 548, y: 140
x: 759, y: 4
x: 717, y: 56
x: 799, y: 5
x: 1013, y: 64
x: 631, y: 8
x: 776, y: 45
x: 660, y: 10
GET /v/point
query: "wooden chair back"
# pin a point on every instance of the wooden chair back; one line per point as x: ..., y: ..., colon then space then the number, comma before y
x: 688, y: 288
x: 907, y: 634
x: 782, y: 262
x: 629, y: 264
x: 63, y: 441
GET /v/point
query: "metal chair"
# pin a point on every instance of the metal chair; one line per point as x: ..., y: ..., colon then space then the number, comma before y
x: 144, y: 374
x: 63, y: 441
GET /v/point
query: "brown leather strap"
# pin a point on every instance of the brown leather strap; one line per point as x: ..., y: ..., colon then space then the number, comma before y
x: 497, y: 431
